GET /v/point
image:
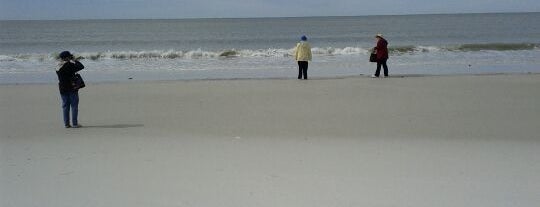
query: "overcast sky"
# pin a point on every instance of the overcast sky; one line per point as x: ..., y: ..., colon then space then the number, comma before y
x: 152, y: 9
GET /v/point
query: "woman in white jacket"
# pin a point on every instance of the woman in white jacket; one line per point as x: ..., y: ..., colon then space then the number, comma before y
x: 302, y: 54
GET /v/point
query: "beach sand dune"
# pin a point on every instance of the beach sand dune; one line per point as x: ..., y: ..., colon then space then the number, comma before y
x: 413, y: 141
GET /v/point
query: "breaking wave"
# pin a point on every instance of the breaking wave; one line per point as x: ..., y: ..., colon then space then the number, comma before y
x: 465, y: 48
x: 497, y: 47
x: 269, y: 53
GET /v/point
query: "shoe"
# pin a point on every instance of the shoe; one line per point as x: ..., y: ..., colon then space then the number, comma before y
x: 374, y: 76
x: 77, y: 126
x: 385, y: 76
x: 68, y: 126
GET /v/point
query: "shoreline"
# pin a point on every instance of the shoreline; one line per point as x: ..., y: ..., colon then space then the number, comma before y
x: 360, y: 76
x: 333, y: 96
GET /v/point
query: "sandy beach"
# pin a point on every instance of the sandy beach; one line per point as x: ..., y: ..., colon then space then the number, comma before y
x: 433, y: 141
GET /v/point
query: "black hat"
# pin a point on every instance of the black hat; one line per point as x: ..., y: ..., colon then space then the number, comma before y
x: 65, y: 55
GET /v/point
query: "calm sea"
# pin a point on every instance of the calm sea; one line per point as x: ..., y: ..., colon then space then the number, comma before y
x: 116, y: 50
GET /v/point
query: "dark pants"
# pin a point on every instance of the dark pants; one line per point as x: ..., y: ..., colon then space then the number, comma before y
x: 302, y: 69
x: 70, y: 100
x: 383, y: 63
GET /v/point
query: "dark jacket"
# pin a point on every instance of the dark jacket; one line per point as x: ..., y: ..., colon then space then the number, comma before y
x: 65, y: 74
x: 382, y: 49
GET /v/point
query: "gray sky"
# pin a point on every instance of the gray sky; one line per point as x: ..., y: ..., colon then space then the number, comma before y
x: 151, y: 9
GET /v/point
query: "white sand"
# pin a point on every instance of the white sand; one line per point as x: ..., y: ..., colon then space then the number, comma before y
x: 416, y: 141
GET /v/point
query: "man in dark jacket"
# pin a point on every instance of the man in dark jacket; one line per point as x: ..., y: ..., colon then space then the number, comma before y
x: 66, y: 70
x: 382, y: 55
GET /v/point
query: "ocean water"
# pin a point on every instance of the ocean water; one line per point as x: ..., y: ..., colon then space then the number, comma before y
x: 122, y: 50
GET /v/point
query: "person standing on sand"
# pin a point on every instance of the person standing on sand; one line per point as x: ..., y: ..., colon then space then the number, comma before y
x: 302, y: 54
x: 382, y: 55
x: 67, y: 67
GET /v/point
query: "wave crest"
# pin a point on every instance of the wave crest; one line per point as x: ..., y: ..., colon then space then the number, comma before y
x: 271, y: 52
x: 497, y: 47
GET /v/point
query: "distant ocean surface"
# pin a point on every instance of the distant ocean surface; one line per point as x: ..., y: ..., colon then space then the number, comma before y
x: 117, y: 50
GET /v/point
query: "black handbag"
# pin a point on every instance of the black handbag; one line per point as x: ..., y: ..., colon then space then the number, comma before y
x: 77, y: 82
x: 373, y: 58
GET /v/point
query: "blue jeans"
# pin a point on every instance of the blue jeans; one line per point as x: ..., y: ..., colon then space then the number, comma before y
x: 70, y: 100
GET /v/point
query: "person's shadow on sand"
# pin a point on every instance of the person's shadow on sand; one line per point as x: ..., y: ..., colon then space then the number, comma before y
x: 115, y: 126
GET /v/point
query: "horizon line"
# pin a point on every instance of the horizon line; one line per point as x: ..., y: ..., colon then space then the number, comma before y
x: 270, y: 17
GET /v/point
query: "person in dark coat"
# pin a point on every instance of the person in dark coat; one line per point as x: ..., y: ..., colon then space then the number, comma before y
x: 67, y: 67
x: 382, y: 55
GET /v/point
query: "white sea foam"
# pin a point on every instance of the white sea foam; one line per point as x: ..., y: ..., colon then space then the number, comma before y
x: 429, y: 49
x: 201, y: 54
x: 7, y: 58
x: 192, y: 54
x: 270, y: 52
